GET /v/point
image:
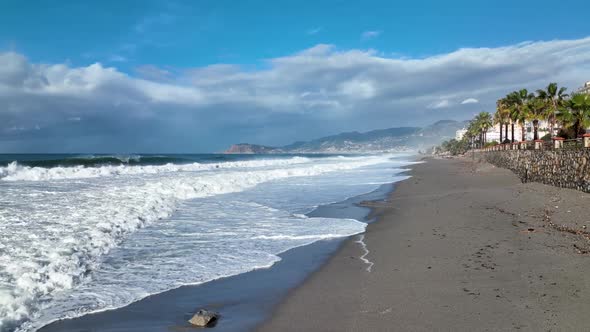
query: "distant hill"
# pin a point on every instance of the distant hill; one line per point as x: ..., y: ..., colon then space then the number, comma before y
x: 244, y: 148
x: 382, y: 140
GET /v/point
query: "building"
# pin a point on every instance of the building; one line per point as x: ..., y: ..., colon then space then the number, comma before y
x: 460, y: 133
x: 493, y: 134
x: 585, y: 88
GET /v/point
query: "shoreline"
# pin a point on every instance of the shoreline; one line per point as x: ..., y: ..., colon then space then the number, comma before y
x: 458, y: 246
x: 244, y: 300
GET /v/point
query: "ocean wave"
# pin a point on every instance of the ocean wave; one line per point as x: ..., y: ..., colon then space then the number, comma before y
x: 102, y: 160
x: 73, y: 230
x: 17, y: 172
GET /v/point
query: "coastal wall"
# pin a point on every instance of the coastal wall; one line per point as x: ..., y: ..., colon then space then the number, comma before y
x: 560, y: 168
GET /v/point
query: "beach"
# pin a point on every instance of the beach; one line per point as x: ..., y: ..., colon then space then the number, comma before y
x: 141, y: 243
x: 460, y: 246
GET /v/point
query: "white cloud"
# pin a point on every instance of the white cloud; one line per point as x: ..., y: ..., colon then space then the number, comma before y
x: 469, y: 101
x: 370, y: 34
x: 151, y: 72
x: 444, y: 103
x: 353, y: 88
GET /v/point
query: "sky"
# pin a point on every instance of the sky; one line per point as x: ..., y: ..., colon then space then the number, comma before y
x: 197, y: 76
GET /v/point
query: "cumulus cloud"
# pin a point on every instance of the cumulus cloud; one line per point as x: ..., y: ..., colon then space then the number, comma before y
x: 153, y: 73
x: 322, y: 90
x: 469, y: 101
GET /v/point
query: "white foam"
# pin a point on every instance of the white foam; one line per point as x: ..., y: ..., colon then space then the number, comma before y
x: 16, y: 172
x: 361, y: 241
x: 66, y: 248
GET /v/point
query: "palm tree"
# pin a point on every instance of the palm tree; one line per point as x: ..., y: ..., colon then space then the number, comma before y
x: 514, y: 115
x: 577, y: 113
x: 517, y: 102
x: 473, y: 132
x: 498, y: 119
x: 501, y: 116
x: 535, y: 108
x: 484, y: 123
x: 522, y: 118
x: 555, y: 98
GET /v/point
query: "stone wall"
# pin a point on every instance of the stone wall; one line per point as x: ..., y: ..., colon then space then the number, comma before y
x: 560, y: 168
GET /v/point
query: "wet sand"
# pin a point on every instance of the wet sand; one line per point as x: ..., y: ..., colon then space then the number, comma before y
x: 457, y: 247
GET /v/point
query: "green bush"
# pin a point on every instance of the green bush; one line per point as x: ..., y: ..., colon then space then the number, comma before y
x: 546, y: 137
x: 453, y: 147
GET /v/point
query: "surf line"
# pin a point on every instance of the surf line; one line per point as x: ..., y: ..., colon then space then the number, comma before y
x: 363, y: 258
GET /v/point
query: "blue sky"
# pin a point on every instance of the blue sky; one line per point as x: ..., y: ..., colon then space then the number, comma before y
x: 197, y: 33
x: 235, y: 67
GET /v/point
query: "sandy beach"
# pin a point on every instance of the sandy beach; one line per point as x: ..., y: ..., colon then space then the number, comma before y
x: 457, y: 247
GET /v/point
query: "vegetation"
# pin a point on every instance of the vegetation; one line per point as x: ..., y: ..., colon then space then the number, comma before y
x: 501, y: 117
x: 568, y: 115
x: 576, y: 114
x: 476, y: 136
x: 453, y: 147
x: 552, y: 104
x: 555, y: 99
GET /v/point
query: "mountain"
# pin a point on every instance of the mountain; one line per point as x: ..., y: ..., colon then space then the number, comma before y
x: 382, y: 140
x: 245, y: 148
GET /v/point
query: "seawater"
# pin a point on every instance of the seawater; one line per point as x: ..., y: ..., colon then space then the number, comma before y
x: 86, y: 233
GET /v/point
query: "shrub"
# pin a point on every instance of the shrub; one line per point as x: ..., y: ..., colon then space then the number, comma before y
x: 453, y: 147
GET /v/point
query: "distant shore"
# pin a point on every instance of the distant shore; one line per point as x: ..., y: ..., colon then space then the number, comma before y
x: 457, y: 247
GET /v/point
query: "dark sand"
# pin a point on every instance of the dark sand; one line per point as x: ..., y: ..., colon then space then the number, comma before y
x: 457, y: 247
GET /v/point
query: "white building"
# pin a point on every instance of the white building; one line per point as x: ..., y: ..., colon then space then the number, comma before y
x: 585, y: 88
x: 493, y: 134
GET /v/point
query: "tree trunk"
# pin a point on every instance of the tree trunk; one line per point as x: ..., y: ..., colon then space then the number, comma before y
x: 500, y: 133
x: 512, y: 124
x: 506, y: 133
x: 552, y: 120
x: 535, y: 129
x: 522, y: 133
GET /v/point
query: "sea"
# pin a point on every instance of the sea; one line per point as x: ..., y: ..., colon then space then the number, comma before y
x: 85, y: 233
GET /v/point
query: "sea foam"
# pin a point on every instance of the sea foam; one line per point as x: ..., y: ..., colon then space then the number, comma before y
x: 74, y: 240
x: 16, y: 172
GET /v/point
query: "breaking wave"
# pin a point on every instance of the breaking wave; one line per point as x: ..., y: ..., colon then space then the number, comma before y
x: 15, y: 171
x: 74, y: 225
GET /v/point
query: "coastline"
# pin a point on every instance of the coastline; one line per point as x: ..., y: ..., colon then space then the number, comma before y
x: 244, y: 300
x: 458, y: 246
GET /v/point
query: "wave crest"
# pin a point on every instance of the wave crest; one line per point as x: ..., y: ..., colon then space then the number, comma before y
x: 17, y: 172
